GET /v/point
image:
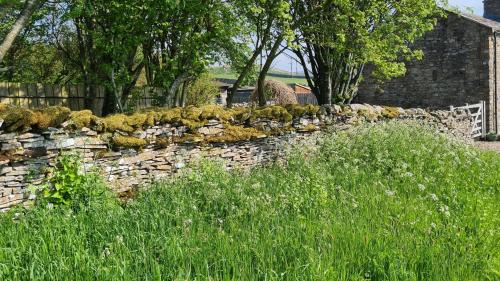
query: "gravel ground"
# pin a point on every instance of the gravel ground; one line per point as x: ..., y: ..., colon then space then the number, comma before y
x: 495, y: 146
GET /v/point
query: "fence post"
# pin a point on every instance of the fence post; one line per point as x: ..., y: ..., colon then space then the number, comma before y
x: 484, y: 122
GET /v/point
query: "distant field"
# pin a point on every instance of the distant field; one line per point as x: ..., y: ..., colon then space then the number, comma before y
x: 276, y: 74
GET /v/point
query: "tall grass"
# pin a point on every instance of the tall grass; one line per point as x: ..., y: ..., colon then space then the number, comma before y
x: 386, y: 202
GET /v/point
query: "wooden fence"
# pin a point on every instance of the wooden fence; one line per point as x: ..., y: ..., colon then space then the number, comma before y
x: 35, y: 96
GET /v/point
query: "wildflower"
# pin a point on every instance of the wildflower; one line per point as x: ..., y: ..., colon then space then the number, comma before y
x: 421, y: 187
x: 390, y: 193
x: 119, y: 239
x: 434, y: 197
x: 188, y: 222
x: 106, y: 252
x: 433, y: 225
x: 445, y: 210
x: 409, y: 174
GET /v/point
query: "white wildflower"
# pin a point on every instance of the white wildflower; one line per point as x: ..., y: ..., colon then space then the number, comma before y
x: 409, y: 174
x: 421, y: 187
x: 119, y: 239
x: 434, y: 197
x: 390, y: 193
x: 445, y: 210
x: 106, y: 252
x: 188, y: 222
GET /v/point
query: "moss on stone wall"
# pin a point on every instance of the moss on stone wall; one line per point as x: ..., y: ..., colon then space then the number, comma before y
x: 16, y: 119
x: 236, y: 133
x: 52, y: 116
x: 390, y: 112
x: 128, y: 142
x: 19, y: 119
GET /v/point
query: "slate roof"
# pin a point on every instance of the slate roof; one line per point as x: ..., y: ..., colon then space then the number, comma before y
x: 495, y: 25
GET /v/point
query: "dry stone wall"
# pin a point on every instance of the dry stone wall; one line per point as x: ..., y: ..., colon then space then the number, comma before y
x: 25, y: 156
x: 458, y: 67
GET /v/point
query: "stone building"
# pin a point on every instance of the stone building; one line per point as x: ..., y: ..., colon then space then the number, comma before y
x: 460, y: 65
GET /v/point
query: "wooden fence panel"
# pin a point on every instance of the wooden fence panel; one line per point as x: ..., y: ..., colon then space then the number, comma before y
x: 33, y: 96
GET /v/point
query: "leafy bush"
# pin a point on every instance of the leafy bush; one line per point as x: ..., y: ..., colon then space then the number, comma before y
x: 202, y: 91
x: 384, y: 202
x: 68, y: 185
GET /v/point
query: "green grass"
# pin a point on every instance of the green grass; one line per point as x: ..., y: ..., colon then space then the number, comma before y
x: 275, y: 74
x: 388, y: 202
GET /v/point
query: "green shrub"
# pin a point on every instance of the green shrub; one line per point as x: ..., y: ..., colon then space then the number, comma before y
x: 202, y: 91
x: 68, y: 185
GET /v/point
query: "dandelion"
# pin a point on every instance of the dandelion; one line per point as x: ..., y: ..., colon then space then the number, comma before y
x: 421, y: 187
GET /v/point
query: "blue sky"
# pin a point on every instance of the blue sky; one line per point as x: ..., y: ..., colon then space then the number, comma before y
x: 285, y: 63
x: 477, y: 5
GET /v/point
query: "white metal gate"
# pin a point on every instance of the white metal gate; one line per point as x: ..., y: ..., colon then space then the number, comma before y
x: 478, y: 113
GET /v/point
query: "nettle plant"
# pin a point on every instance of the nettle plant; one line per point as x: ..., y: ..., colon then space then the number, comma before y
x: 68, y: 184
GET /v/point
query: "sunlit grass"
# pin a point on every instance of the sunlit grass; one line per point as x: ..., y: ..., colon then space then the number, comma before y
x: 387, y: 202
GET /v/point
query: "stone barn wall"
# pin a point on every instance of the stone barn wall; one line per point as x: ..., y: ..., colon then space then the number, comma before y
x: 457, y: 68
x: 151, y: 153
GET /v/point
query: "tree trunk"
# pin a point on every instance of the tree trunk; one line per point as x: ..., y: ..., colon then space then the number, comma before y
x: 127, y: 90
x: 265, y: 69
x: 243, y: 74
x: 20, y: 23
x: 109, y: 106
x: 174, y: 88
x: 325, y: 88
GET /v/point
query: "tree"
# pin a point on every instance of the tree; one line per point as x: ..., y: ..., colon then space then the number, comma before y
x: 336, y: 44
x: 186, y: 37
x: 23, y: 18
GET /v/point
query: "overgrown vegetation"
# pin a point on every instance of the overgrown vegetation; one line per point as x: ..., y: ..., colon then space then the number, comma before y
x: 69, y: 184
x: 384, y: 202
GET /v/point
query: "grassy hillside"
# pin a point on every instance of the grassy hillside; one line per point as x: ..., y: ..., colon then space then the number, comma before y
x: 388, y: 202
x: 276, y: 74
